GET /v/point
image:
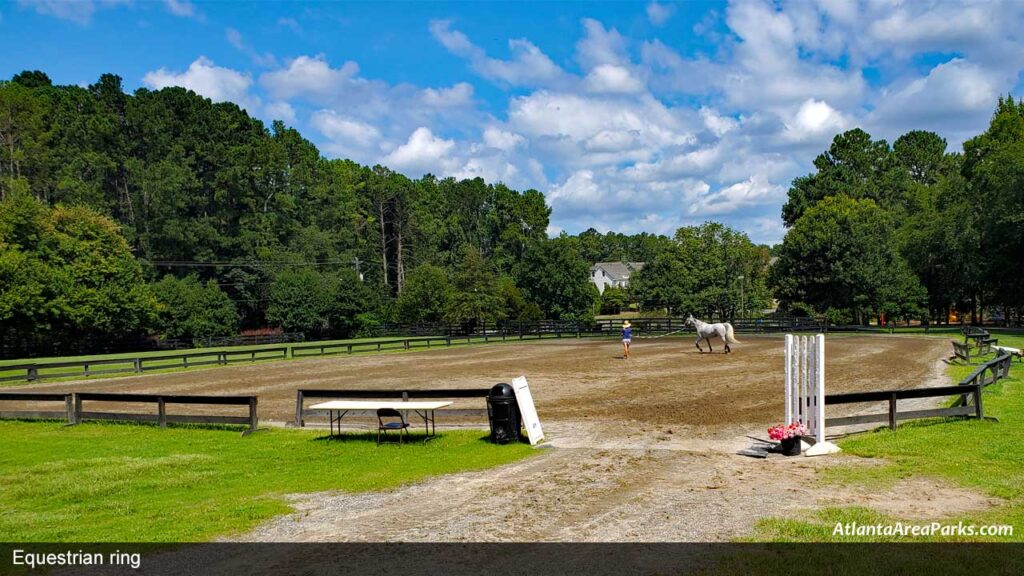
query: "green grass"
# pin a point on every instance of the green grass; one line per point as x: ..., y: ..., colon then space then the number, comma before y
x: 986, y: 457
x: 134, y: 483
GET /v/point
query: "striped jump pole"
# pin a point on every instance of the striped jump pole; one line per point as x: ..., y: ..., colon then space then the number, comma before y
x: 805, y: 390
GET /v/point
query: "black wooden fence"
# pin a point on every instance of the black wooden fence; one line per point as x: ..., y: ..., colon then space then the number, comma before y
x: 969, y: 390
x: 74, y: 412
x: 36, y: 371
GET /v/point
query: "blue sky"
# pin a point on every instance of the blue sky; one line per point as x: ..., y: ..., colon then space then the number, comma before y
x: 629, y: 116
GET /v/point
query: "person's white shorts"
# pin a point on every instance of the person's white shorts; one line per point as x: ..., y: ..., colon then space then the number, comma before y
x: 627, y: 340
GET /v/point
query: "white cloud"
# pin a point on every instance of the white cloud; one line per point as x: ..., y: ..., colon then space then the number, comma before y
x: 340, y: 128
x: 958, y: 94
x: 78, y: 11
x: 309, y: 76
x: 717, y: 124
x: 460, y: 94
x: 183, y: 8
x: 658, y: 14
x: 290, y: 23
x: 610, y: 78
x: 234, y: 37
x: 814, y: 119
x: 422, y: 153
x: 501, y: 139
x: 528, y: 66
x: 280, y: 111
x: 207, y: 79
x: 600, y: 46
x: 751, y: 192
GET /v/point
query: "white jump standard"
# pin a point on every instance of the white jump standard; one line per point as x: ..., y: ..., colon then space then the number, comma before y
x: 805, y: 389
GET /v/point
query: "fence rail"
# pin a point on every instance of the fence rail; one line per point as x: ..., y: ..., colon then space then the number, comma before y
x: 969, y: 390
x: 66, y: 414
x: 75, y: 413
x: 37, y: 371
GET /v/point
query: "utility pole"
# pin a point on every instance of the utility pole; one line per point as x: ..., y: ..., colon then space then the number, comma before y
x: 743, y: 309
x: 358, y: 272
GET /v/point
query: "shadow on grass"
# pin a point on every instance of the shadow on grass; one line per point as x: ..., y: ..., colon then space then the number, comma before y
x: 412, y: 438
x: 237, y: 428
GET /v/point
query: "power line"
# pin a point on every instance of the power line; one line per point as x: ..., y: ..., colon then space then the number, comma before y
x: 264, y: 264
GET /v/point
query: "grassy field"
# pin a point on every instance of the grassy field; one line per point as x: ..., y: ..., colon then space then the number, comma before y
x: 110, y: 482
x: 983, y: 456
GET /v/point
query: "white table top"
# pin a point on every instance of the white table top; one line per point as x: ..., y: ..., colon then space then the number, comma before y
x: 377, y: 404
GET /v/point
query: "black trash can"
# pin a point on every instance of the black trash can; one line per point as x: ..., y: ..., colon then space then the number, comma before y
x: 503, y: 414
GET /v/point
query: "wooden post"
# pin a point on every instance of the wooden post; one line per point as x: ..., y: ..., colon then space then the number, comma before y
x: 161, y: 411
x: 85, y: 368
x: 69, y: 407
x: 253, y: 420
x: 138, y: 365
x: 892, y: 411
x: 298, y: 409
x: 978, y: 411
x: 349, y: 348
x: 33, y: 373
x: 78, y: 408
x: 184, y: 361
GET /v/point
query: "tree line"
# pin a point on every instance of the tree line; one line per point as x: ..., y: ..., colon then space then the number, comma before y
x: 162, y: 213
x: 213, y: 222
x: 909, y: 230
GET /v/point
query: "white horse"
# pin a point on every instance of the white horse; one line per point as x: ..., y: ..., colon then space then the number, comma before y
x: 707, y: 331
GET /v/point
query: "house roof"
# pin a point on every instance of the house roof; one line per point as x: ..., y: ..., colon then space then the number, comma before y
x: 618, y: 270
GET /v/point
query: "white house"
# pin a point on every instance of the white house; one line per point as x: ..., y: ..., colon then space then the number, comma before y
x: 616, y: 274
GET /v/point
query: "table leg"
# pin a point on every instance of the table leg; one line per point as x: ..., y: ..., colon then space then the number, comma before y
x: 429, y: 424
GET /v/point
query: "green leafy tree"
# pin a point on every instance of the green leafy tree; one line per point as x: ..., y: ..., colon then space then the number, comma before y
x: 192, y: 309
x: 993, y: 167
x: 68, y: 274
x: 300, y: 302
x: 841, y: 254
x: 425, y: 297
x: 475, y: 295
x: 613, y: 300
x: 555, y: 277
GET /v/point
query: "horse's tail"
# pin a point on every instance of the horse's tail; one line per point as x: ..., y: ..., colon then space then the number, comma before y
x: 729, y: 337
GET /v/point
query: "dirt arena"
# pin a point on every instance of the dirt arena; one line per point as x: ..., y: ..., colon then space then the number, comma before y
x: 666, y: 382
x: 637, y: 450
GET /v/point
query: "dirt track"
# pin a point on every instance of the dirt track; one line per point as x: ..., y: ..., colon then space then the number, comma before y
x: 667, y: 382
x: 641, y: 450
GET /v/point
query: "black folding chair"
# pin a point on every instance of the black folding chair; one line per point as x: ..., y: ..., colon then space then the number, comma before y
x: 400, y: 425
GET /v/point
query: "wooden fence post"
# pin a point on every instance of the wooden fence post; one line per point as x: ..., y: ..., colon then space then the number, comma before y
x: 298, y: 409
x: 978, y: 411
x: 892, y: 411
x: 161, y: 411
x: 33, y: 373
x: 138, y: 365
x: 253, y: 420
x: 69, y: 407
x: 78, y: 408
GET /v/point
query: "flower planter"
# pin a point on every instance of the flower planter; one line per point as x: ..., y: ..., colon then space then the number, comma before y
x: 790, y: 446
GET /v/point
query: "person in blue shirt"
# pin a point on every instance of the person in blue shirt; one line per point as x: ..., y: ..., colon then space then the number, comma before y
x: 627, y: 338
